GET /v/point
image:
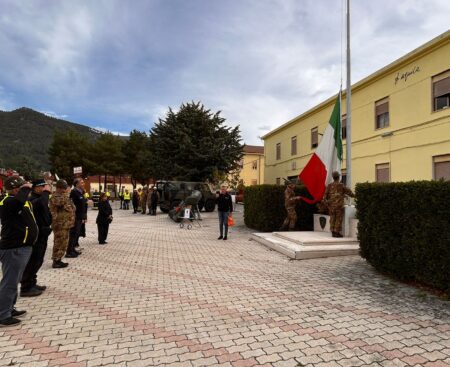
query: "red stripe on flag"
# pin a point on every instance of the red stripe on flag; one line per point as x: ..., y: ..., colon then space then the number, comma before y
x: 313, y: 176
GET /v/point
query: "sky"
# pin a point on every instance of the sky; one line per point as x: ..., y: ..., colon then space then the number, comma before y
x: 118, y: 65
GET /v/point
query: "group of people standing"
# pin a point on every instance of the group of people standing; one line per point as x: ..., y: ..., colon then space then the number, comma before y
x: 29, y: 213
x: 143, y: 199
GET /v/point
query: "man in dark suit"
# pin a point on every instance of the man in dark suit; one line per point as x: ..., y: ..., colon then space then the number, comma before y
x: 77, y: 196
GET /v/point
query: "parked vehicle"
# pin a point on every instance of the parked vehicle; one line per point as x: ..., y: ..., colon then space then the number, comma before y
x: 171, y: 193
x: 240, y: 197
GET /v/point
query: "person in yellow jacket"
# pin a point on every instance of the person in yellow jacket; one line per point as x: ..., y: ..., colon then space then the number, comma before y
x: 126, y: 199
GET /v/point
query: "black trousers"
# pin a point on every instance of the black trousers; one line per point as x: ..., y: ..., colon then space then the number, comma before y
x: 74, y: 235
x: 29, y: 276
x: 154, y: 209
x: 102, y: 231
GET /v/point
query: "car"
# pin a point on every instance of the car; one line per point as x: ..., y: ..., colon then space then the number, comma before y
x: 240, y: 196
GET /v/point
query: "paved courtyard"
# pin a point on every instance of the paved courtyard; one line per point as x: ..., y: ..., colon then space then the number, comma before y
x: 159, y: 295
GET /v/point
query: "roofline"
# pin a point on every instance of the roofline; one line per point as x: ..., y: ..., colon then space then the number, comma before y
x: 420, y: 51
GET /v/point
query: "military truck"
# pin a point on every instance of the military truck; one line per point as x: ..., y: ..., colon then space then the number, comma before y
x: 171, y: 193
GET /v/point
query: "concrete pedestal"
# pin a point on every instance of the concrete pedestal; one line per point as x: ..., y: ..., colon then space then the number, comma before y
x: 349, y: 224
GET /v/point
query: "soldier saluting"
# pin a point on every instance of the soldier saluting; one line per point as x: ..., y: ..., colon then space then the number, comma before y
x: 63, y: 214
x: 334, y: 199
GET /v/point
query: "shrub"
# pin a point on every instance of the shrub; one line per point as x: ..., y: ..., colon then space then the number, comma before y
x: 264, y: 208
x: 404, y: 230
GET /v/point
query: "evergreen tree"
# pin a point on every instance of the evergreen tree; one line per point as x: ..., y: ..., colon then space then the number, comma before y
x: 70, y: 149
x: 194, y: 144
x: 137, y: 157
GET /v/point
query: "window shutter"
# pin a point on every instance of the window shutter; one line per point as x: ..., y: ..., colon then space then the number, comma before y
x: 441, y: 87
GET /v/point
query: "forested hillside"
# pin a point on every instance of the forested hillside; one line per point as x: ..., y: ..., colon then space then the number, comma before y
x: 26, y: 135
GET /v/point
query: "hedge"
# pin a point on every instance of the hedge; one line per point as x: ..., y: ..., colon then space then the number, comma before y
x: 404, y: 230
x: 264, y: 208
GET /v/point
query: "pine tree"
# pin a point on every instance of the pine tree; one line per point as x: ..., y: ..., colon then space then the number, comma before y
x: 194, y: 144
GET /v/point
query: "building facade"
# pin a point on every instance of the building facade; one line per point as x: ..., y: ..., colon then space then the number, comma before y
x: 400, y: 123
x: 252, y: 165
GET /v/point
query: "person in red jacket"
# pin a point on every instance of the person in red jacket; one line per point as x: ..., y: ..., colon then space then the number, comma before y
x: 19, y: 233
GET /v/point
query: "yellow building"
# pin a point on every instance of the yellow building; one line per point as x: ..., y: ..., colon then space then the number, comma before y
x: 400, y: 123
x: 252, y: 165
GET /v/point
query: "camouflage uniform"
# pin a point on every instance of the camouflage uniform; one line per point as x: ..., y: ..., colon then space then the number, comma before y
x: 290, y: 201
x: 144, y: 199
x: 334, y: 200
x: 63, y: 214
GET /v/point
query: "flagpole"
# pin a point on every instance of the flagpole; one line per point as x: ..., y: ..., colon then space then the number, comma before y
x: 349, y: 107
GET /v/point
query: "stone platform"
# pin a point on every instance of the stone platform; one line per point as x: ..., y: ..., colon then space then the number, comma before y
x: 308, y: 245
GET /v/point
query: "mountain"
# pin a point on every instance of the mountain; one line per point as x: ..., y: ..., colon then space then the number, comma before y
x: 26, y: 135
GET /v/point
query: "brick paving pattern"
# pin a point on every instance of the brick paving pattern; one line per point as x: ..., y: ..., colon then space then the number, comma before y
x: 159, y: 295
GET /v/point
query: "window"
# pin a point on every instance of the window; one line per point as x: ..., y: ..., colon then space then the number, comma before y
x: 255, y: 165
x: 382, y: 113
x: 344, y: 177
x: 441, y: 91
x: 441, y: 167
x: 294, y: 145
x: 344, y: 126
x: 294, y: 165
x: 278, y: 180
x: 241, y: 164
x: 254, y: 182
x: 314, y: 137
x: 382, y: 172
x: 278, y: 151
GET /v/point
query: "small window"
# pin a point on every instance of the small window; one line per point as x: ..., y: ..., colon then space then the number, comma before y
x: 255, y: 165
x: 344, y: 177
x: 314, y: 137
x: 344, y: 126
x: 278, y: 180
x: 293, y: 165
x: 382, y: 172
x: 382, y: 113
x: 441, y: 91
x: 441, y: 167
x: 254, y: 182
x: 241, y: 164
x: 294, y: 145
x: 278, y: 151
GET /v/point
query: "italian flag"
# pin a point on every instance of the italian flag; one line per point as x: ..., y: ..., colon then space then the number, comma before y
x: 327, y: 158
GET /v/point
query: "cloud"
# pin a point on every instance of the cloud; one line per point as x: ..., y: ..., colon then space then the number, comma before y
x: 119, y: 65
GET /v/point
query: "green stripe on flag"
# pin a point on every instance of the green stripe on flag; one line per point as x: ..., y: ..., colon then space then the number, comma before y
x: 335, y: 122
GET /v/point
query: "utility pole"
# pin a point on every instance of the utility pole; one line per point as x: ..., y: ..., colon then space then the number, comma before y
x: 349, y: 106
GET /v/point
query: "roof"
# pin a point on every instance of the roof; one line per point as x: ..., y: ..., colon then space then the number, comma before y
x: 253, y: 149
x: 428, y: 47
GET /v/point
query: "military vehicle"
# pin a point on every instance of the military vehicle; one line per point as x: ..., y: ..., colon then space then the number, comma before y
x: 172, y: 193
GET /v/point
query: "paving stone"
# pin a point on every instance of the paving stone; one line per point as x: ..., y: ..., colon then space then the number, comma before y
x: 161, y: 295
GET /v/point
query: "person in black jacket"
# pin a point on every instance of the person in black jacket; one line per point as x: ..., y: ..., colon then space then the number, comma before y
x: 225, y: 209
x: 104, y: 217
x: 39, y: 198
x: 77, y: 196
x: 19, y: 232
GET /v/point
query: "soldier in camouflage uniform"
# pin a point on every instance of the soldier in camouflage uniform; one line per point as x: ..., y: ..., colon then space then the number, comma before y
x: 144, y: 197
x: 334, y: 200
x: 63, y: 214
x: 290, y: 202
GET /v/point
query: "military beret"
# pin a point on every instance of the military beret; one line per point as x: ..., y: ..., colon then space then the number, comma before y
x: 39, y: 182
x: 14, y: 182
x: 62, y: 184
